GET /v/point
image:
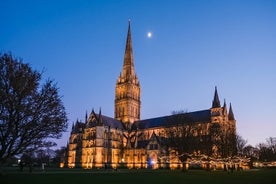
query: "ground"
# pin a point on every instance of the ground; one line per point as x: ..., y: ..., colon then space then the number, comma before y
x: 70, y: 176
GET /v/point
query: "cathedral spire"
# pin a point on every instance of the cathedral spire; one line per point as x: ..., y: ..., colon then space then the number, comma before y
x: 216, y: 102
x: 231, y: 114
x: 127, y: 91
x: 128, y: 68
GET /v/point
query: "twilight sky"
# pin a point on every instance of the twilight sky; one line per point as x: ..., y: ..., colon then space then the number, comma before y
x: 195, y: 46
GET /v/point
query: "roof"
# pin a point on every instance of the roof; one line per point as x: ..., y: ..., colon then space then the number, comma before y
x: 113, y: 123
x: 142, y: 144
x: 100, y: 120
x: 184, y: 118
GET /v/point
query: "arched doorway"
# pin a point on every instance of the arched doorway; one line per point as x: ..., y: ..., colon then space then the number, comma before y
x: 153, y: 160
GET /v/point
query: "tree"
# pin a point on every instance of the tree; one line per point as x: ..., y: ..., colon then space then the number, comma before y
x: 223, y: 140
x: 267, y: 151
x: 183, y: 136
x: 45, y: 154
x: 30, y: 112
x: 241, y: 144
x: 251, y: 152
x: 271, y: 143
x: 60, y: 156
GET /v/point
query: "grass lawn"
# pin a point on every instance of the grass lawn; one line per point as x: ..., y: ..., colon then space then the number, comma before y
x: 138, y: 176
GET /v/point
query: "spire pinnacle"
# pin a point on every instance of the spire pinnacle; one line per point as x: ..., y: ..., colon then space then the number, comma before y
x: 224, y: 108
x: 128, y: 68
x: 100, y: 121
x: 92, y: 112
x: 73, y: 126
x: 231, y: 114
x: 86, y: 118
x: 216, y: 102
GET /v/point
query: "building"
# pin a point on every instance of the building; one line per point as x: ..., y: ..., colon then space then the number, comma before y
x: 128, y: 141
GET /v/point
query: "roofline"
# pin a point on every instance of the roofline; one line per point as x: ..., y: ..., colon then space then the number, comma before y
x: 171, y: 115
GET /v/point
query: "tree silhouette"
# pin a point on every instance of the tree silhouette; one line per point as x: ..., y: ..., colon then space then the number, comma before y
x: 29, y: 112
x: 181, y: 136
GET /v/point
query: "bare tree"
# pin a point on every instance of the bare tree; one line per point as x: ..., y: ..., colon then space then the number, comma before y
x: 241, y: 144
x: 192, y: 139
x: 224, y: 140
x: 60, y: 156
x: 267, y: 151
x: 29, y: 112
x: 271, y: 142
x: 184, y: 137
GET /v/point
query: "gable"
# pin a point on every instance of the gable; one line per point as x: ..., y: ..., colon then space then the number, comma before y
x: 101, y: 120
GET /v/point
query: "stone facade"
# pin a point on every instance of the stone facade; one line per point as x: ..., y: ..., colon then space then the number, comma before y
x: 127, y: 141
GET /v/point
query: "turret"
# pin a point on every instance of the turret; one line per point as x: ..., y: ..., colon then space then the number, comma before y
x: 231, y: 114
x: 86, y: 118
x: 216, y: 110
x: 224, y: 111
x: 216, y: 102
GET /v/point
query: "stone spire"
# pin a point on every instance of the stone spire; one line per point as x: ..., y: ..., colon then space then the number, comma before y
x: 216, y: 102
x: 128, y: 67
x: 127, y: 90
x: 231, y: 114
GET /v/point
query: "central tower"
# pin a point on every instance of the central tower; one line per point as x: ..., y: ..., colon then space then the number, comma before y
x: 127, y: 92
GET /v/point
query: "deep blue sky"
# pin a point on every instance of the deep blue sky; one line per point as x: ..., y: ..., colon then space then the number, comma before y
x: 196, y: 45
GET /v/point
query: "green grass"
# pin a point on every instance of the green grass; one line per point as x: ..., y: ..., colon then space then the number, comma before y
x: 138, y: 176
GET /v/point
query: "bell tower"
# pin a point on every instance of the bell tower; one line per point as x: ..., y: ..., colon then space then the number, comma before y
x: 127, y: 91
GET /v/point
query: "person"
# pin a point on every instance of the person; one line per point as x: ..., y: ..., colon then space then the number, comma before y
x: 21, y: 165
x: 232, y: 168
x: 30, y: 167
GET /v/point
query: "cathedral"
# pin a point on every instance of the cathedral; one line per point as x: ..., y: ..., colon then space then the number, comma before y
x: 161, y: 142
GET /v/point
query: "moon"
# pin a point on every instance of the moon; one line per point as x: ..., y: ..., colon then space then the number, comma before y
x: 149, y: 34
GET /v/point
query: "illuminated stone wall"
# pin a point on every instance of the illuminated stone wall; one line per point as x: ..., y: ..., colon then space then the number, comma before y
x: 74, y: 149
x: 101, y: 146
x: 135, y: 158
x: 127, y: 101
